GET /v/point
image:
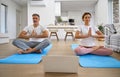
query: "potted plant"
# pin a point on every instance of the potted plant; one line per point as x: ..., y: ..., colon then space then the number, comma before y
x: 101, y: 28
x: 59, y: 19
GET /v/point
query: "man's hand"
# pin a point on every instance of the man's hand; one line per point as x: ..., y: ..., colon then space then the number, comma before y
x: 34, y: 34
x: 24, y: 35
x: 44, y: 34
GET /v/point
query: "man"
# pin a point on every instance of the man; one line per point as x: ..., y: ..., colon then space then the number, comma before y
x: 36, y: 35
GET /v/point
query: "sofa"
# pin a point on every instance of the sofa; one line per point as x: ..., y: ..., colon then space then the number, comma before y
x: 112, y: 37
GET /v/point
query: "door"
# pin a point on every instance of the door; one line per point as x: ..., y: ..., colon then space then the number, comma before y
x: 18, y: 22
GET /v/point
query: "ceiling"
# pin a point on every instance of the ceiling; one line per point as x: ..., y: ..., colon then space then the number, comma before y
x: 21, y: 2
x: 66, y: 5
x: 76, y: 5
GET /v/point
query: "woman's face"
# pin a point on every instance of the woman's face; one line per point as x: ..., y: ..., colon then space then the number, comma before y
x: 86, y: 18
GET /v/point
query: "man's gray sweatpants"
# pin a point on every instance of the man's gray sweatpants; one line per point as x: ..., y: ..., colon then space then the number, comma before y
x: 22, y: 44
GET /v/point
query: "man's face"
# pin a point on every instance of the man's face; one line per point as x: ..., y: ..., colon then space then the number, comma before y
x: 36, y: 20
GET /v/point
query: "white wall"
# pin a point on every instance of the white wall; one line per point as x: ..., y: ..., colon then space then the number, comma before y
x: 57, y: 8
x: 77, y: 15
x: 24, y: 17
x: 11, y: 17
x: 47, y: 13
x: 110, y: 11
x: 64, y: 14
x: 101, y: 12
x: 0, y: 14
x: 119, y: 11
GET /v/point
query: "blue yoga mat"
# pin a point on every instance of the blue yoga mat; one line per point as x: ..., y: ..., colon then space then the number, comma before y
x: 32, y: 58
x: 96, y: 61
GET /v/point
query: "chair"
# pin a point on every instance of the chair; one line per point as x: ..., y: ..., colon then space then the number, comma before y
x: 112, y: 38
x: 53, y: 32
x: 69, y: 32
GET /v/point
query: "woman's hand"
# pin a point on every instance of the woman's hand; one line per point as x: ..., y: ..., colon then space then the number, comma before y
x: 99, y: 35
x: 89, y: 33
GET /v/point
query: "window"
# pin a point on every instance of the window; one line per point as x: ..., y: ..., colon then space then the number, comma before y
x: 115, y: 11
x: 3, y: 24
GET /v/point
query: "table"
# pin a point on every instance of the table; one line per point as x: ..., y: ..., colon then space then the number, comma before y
x: 63, y: 27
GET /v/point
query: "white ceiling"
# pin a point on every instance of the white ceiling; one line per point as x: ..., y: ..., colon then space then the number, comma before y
x: 66, y: 5
x: 76, y: 5
x: 21, y: 2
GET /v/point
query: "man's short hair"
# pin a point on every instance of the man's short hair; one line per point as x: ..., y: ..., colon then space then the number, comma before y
x: 35, y: 14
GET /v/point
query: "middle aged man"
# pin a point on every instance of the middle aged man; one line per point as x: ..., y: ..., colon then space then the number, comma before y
x: 37, y: 36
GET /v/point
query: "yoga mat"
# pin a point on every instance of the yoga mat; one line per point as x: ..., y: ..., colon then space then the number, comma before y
x: 31, y: 58
x: 96, y: 61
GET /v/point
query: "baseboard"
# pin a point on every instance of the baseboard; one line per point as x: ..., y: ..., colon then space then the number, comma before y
x: 4, y: 40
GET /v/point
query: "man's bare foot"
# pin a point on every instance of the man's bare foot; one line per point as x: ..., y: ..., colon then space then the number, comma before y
x: 20, y: 51
x: 28, y: 51
x: 38, y: 51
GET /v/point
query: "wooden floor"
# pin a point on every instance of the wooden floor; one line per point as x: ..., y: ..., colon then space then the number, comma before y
x: 36, y: 70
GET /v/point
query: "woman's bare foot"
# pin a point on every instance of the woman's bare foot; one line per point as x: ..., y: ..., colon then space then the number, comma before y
x: 101, y: 46
x: 96, y: 47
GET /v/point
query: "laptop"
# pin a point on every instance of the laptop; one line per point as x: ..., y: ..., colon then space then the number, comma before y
x: 61, y: 64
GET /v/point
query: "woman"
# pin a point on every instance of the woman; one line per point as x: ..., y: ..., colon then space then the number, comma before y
x: 88, y: 34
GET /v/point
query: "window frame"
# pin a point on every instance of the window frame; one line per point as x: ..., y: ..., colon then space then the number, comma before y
x: 5, y: 21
